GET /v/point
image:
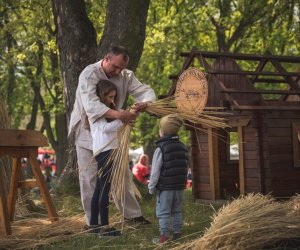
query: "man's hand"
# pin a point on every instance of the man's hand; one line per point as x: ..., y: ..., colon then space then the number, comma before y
x: 127, y: 117
x: 139, y: 107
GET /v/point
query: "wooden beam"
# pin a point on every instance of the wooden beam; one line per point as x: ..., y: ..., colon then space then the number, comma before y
x: 282, y: 71
x: 238, y: 121
x: 14, y: 137
x: 27, y: 184
x: 250, y: 57
x: 264, y: 80
x: 213, y: 165
x: 259, y: 68
x: 216, y: 166
x: 4, y: 214
x: 262, y: 91
x: 241, y: 160
x: 244, y: 72
x: 264, y: 107
x: 270, y: 80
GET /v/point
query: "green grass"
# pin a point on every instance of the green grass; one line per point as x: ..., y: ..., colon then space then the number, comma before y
x: 196, y: 218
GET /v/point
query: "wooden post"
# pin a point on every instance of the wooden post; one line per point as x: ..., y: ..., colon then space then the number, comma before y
x: 13, y: 187
x: 42, y: 185
x: 241, y: 160
x: 4, y: 215
x: 240, y: 122
x: 214, y: 179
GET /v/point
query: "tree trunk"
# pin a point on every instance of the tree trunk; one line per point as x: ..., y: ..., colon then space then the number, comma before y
x: 125, y: 25
x: 62, y: 142
x: 34, y: 110
x: 11, y: 76
x: 76, y: 38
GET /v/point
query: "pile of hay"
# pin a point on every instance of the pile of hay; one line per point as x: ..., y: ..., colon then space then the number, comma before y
x: 253, y: 221
x: 33, y: 232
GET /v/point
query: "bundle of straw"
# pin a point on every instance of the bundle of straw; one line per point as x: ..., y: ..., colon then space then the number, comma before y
x: 120, y: 159
x: 250, y: 222
x: 192, y: 118
x: 293, y: 206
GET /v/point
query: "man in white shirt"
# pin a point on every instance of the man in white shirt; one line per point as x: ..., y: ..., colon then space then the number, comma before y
x: 87, y: 103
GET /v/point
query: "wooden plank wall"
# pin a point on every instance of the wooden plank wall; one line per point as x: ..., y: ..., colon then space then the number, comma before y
x: 283, y: 179
x: 200, y: 170
x: 252, y: 160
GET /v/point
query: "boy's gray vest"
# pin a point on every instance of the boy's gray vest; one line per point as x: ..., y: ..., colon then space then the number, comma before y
x: 173, y: 175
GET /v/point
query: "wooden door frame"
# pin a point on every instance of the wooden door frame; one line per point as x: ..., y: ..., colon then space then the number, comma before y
x: 213, y: 159
x: 239, y: 123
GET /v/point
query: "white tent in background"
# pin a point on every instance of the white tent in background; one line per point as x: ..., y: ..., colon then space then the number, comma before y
x: 135, y: 153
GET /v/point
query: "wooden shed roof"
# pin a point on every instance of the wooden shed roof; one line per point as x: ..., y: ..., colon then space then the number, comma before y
x: 262, y: 82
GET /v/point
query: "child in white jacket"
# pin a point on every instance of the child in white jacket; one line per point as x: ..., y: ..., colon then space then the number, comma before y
x: 104, y: 133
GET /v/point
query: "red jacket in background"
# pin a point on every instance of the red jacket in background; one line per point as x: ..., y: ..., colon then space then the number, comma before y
x: 141, y: 170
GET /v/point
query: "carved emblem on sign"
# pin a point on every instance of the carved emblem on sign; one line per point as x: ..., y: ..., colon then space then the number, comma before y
x: 191, y: 91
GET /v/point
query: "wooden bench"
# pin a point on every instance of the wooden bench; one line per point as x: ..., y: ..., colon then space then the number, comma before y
x: 22, y: 144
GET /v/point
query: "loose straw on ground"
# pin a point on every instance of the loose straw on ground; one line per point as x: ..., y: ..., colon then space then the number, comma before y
x: 250, y: 222
x: 31, y: 233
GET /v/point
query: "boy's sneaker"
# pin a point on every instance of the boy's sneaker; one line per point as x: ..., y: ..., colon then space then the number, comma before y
x: 139, y: 220
x: 161, y: 240
x: 109, y: 231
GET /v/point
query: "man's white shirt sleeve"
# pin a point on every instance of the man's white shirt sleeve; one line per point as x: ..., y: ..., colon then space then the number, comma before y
x: 141, y: 92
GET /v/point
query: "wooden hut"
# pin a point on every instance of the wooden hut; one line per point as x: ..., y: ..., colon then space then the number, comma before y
x: 262, y: 94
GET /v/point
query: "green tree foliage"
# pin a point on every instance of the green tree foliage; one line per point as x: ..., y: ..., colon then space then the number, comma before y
x: 172, y: 27
x: 245, y: 26
x: 33, y: 55
x: 30, y: 72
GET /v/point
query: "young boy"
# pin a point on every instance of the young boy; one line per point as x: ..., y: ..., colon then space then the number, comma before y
x: 168, y: 177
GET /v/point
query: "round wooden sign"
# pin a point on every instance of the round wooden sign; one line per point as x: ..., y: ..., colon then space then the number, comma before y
x: 191, y: 91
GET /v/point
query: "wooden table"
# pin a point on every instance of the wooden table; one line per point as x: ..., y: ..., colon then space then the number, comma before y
x: 22, y: 144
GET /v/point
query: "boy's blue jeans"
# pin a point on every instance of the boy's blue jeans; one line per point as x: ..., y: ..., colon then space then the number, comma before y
x: 168, y: 211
